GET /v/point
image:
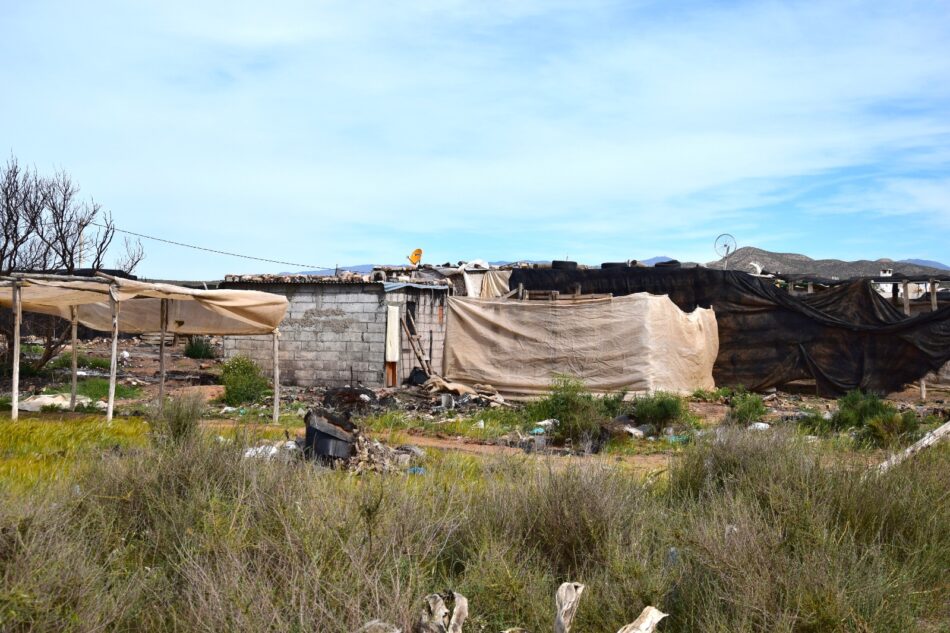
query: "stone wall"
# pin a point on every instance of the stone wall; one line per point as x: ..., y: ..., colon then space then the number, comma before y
x: 335, y: 334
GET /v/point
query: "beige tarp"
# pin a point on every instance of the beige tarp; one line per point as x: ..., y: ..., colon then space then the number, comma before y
x: 189, y: 311
x: 637, y: 343
x: 495, y: 284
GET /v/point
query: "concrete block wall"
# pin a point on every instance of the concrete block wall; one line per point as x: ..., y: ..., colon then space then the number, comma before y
x: 335, y: 334
x: 430, y: 325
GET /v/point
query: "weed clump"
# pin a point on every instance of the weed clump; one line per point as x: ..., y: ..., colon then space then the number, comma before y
x: 659, y: 410
x: 177, y: 421
x: 578, y: 413
x: 243, y: 381
x: 873, y: 421
x: 83, y: 361
x: 746, y: 407
x: 199, y: 347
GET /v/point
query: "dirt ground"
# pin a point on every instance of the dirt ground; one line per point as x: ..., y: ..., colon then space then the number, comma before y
x: 140, y: 367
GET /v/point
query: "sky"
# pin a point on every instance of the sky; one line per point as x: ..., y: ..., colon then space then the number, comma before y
x: 351, y: 132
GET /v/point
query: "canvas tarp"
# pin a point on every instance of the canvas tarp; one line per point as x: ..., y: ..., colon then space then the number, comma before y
x: 637, y: 343
x: 847, y: 337
x: 190, y: 311
x: 495, y: 284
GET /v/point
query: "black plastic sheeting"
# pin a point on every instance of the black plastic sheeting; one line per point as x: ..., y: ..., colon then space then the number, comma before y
x: 847, y: 337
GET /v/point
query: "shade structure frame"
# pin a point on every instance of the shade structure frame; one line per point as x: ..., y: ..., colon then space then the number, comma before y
x: 244, y: 312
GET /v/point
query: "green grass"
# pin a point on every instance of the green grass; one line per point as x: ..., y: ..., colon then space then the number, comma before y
x: 83, y: 361
x: 750, y: 532
x: 48, y: 447
x: 871, y: 420
x: 745, y: 407
x: 716, y: 395
x: 98, y: 389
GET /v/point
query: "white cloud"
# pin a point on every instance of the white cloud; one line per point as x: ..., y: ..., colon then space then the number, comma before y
x: 636, y: 126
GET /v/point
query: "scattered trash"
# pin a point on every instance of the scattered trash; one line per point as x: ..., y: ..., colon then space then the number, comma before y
x: 480, y: 424
x: 538, y: 430
x: 759, y: 426
x: 58, y: 400
x: 227, y: 410
x: 547, y: 423
x: 634, y: 432
x: 284, y: 451
x: 416, y: 470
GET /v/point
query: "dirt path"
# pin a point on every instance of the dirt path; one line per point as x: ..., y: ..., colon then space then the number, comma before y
x: 645, y: 463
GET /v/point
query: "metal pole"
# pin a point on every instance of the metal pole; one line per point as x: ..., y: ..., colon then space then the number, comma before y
x: 17, y: 316
x: 276, y: 336
x: 74, y: 366
x: 161, y: 355
x: 115, y: 353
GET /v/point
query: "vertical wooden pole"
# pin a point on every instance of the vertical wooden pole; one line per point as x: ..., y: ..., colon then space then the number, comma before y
x: 906, y: 289
x: 933, y: 294
x: 115, y: 354
x: 276, y: 376
x: 163, y: 327
x: 811, y: 287
x: 17, y: 315
x: 74, y: 365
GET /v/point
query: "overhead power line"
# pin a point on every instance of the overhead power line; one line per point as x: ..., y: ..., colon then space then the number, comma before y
x: 216, y: 251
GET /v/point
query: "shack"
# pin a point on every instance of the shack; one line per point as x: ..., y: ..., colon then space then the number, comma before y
x: 349, y: 329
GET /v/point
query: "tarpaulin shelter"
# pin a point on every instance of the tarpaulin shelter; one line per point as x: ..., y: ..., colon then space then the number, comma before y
x: 114, y: 304
x: 636, y: 343
x: 847, y: 337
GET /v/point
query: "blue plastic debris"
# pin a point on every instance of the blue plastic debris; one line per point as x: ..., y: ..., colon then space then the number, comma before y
x: 538, y: 430
x: 416, y: 470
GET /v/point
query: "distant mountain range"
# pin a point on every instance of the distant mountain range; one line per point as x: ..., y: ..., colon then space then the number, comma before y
x: 926, y: 262
x: 795, y: 264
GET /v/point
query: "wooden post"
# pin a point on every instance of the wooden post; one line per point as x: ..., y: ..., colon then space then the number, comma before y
x: 17, y: 316
x: 276, y: 376
x: 906, y: 289
x: 811, y: 287
x: 115, y: 353
x: 163, y: 327
x: 74, y: 365
x: 933, y: 293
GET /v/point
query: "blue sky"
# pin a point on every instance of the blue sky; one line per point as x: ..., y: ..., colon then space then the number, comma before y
x: 353, y: 132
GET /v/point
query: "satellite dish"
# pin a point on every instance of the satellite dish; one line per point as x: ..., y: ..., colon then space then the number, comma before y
x: 416, y: 257
x: 725, y: 246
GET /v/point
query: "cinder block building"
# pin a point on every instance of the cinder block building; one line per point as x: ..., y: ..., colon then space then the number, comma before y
x: 337, y: 330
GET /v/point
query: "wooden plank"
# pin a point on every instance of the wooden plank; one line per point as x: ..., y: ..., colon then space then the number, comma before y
x: 17, y: 317
x: 163, y: 317
x: 906, y: 289
x: 934, y: 284
x: 74, y: 365
x: 937, y: 435
x: 276, y: 337
x: 114, y: 358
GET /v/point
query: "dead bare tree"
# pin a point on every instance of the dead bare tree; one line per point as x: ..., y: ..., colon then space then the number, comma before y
x: 132, y: 255
x: 45, y: 226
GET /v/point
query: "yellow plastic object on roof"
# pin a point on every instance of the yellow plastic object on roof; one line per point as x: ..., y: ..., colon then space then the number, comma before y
x: 416, y: 257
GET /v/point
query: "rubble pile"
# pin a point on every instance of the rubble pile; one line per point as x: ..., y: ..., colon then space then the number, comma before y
x: 370, y: 455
